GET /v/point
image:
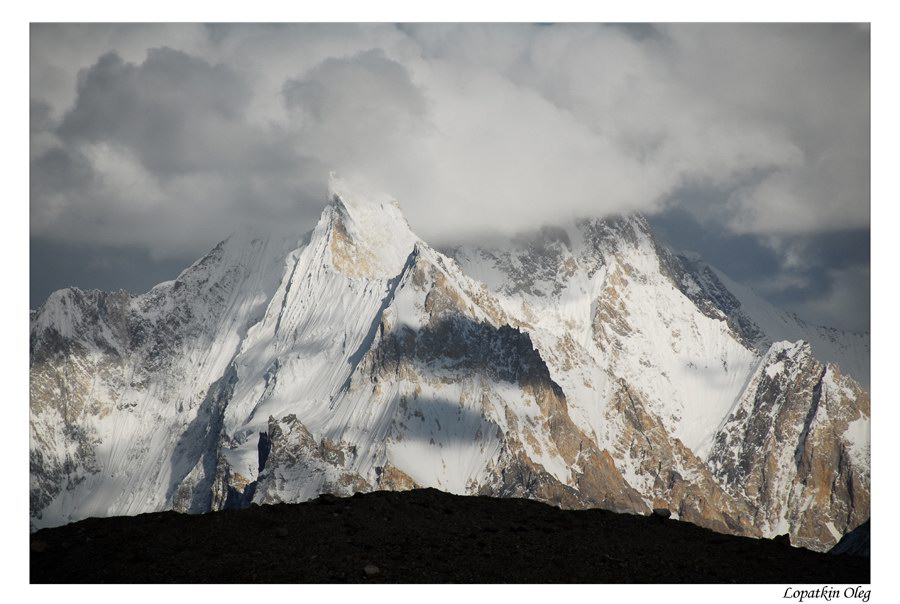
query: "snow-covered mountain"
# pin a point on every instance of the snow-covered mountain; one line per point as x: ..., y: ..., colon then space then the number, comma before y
x: 583, y: 365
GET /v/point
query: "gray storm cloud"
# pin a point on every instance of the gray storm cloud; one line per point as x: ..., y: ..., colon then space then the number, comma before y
x: 164, y: 138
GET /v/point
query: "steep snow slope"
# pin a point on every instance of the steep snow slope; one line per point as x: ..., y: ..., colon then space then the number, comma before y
x: 764, y: 323
x: 355, y: 380
x: 118, y: 382
x: 607, y: 306
x: 600, y: 286
x: 318, y: 325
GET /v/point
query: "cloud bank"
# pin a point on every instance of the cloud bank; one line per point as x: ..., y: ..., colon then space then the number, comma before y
x: 164, y: 138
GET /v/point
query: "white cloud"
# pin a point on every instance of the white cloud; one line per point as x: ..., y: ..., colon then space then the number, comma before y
x: 472, y: 127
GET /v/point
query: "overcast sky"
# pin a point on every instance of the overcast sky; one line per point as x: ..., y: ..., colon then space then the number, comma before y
x: 746, y: 143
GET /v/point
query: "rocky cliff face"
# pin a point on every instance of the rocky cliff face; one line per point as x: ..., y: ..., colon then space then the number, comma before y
x: 584, y: 366
x: 795, y: 446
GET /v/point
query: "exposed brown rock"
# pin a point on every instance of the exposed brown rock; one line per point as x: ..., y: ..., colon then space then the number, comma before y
x: 784, y: 448
x: 393, y: 479
x: 665, y: 462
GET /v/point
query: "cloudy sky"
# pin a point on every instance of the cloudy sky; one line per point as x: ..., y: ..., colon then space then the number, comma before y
x: 746, y: 143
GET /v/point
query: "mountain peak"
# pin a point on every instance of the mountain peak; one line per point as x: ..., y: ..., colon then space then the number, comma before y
x: 368, y: 233
x: 353, y: 192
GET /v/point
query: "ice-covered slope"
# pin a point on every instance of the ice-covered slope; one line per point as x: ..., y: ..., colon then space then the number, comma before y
x: 317, y: 327
x: 119, y: 383
x: 603, y: 300
x: 260, y: 357
x: 360, y: 381
x: 600, y: 286
x: 585, y: 366
x: 763, y: 323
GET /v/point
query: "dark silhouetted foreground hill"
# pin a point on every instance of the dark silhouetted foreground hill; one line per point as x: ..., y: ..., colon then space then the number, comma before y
x: 419, y: 536
x: 856, y: 542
